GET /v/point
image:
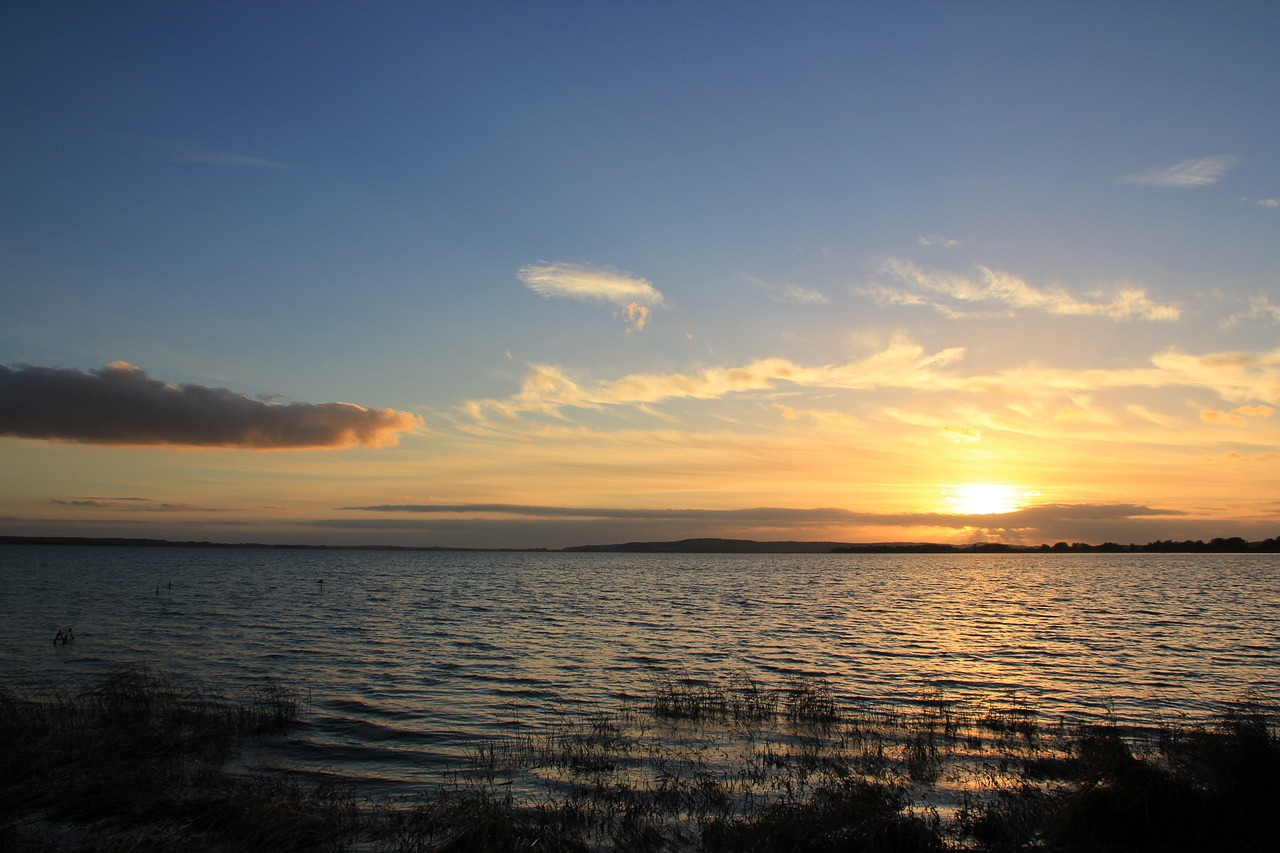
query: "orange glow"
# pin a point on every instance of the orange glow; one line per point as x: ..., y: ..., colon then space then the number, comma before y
x: 985, y: 499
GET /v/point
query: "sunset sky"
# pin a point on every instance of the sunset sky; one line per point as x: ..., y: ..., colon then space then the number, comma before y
x: 544, y: 274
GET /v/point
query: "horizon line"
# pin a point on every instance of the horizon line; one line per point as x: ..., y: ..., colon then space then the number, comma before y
x: 706, y: 545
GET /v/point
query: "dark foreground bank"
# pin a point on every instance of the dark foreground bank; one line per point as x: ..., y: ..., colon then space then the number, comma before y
x: 140, y: 761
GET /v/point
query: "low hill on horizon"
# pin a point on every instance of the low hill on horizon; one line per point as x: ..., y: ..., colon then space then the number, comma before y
x: 752, y: 546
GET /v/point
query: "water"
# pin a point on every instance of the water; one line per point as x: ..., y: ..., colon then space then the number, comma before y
x: 406, y: 658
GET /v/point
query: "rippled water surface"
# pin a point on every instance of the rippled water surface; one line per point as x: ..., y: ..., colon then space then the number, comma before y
x: 406, y: 657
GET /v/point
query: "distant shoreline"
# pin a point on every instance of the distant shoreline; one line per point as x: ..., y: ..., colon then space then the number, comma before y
x: 1231, y: 545
x: 125, y: 542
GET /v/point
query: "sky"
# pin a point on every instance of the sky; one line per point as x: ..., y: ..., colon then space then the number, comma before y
x: 546, y: 274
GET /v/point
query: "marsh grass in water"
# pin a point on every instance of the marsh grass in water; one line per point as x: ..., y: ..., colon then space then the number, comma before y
x: 137, y: 762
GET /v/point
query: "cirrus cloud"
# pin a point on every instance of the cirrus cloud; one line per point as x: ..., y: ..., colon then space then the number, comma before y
x: 1196, y: 172
x: 632, y: 295
x: 946, y: 292
x: 548, y: 388
x: 789, y: 292
x: 1248, y: 378
x: 185, y: 151
x: 121, y: 405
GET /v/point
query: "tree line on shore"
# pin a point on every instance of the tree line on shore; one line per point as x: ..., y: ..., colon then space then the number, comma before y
x: 1219, y: 545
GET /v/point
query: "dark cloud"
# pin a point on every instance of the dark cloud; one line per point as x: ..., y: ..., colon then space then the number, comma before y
x: 521, y: 526
x: 120, y: 404
x: 1056, y: 520
x: 1072, y: 512
x: 132, y: 505
x: 1090, y: 523
x: 741, y: 516
x: 1024, y: 518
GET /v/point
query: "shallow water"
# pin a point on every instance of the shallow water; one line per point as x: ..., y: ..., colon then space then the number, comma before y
x: 405, y: 658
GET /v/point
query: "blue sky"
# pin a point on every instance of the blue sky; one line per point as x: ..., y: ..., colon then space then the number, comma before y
x: 653, y: 257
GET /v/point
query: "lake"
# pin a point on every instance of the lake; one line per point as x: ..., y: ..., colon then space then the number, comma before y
x: 405, y: 659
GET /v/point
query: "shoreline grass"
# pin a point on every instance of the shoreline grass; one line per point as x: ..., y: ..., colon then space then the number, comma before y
x: 138, y: 761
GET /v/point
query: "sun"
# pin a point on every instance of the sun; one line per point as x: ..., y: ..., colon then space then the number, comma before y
x: 985, y: 499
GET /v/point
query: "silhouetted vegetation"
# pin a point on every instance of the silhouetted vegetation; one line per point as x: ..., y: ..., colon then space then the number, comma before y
x: 1229, y: 545
x: 136, y: 762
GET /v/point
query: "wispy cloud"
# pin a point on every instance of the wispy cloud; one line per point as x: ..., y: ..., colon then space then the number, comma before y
x: 753, y: 514
x: 929, y: 241
x: 960, y: 434
x: 1260, y: 308
x: 548, y: 388
x: 765, y: 515
x: 94, y: 501
x: 121, y: 405
x: 946, y: 428
x: 1237, y: 417
x: 789, y: 292
x: 1261, y: 202
x: 633, y: 295
x: 1197, y: 172
x: 1246, y: 378
x: 132, y: 505
x: 821, y: 417
x: 1147, y: 414
x: 950, y: 294
x: 185, y: 151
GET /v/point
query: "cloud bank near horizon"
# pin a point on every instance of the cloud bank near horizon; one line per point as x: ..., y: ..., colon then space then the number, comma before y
x: 1031, y: 516
x: 121, y: 405
x: 519, y: 526
x: 522, y: 526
